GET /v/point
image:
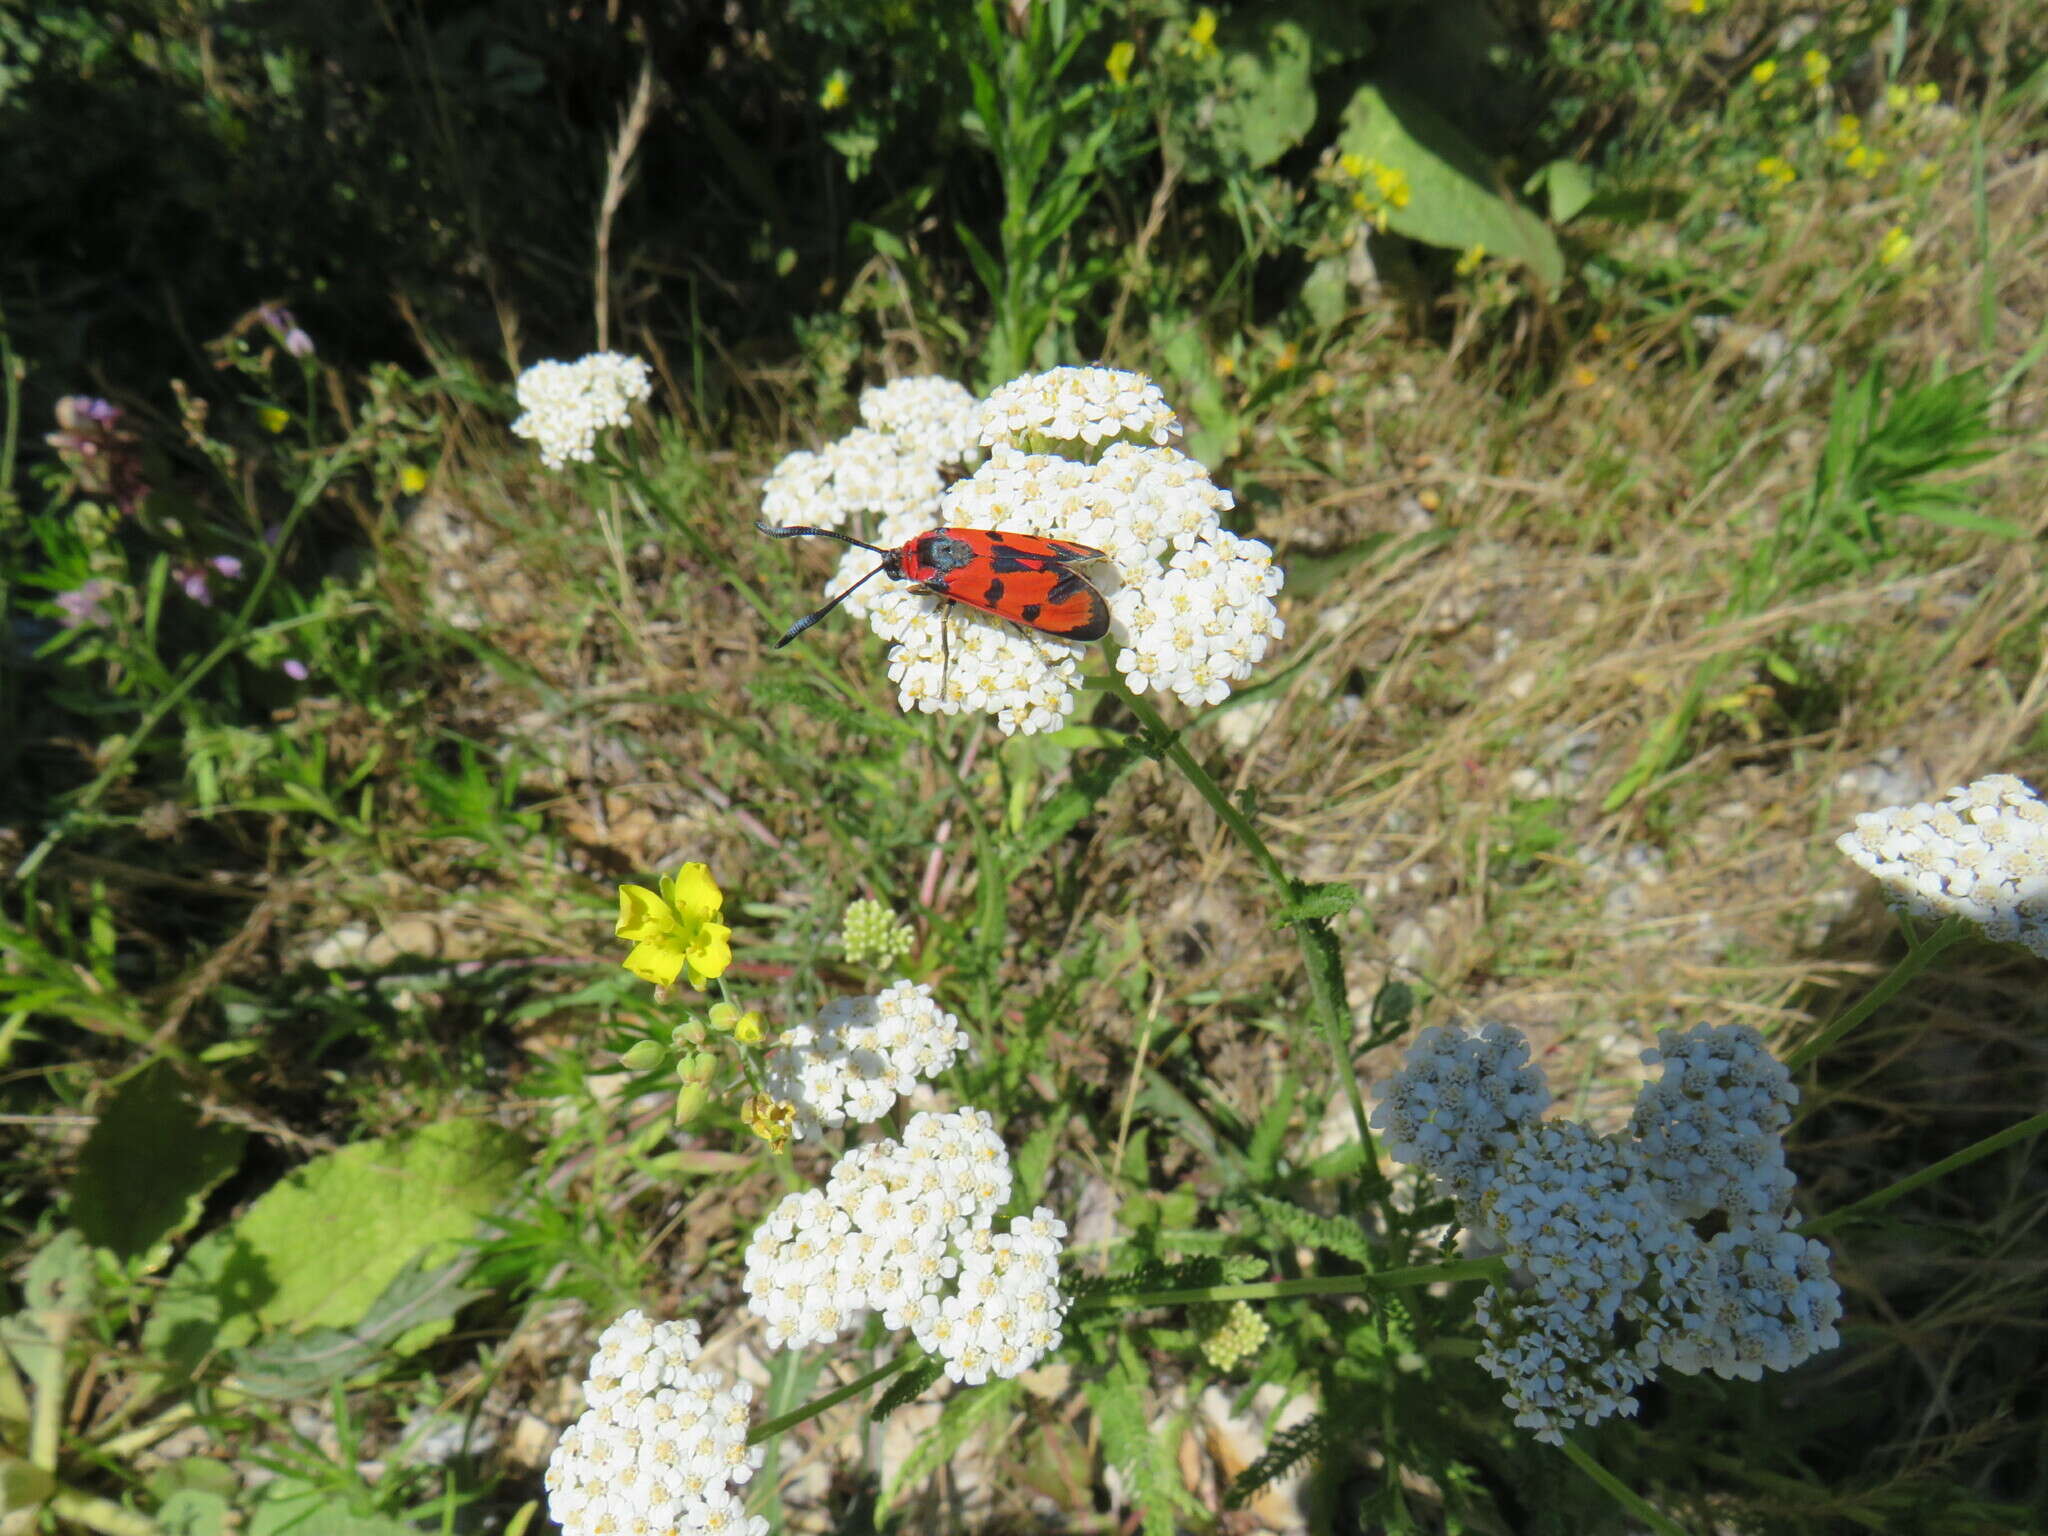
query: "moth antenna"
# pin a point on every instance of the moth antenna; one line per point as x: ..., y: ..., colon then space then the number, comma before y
x: 795, y: 531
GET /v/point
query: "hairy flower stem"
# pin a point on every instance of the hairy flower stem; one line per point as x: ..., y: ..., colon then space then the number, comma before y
x: 1997, y: 1141
x: 1319, y: 951
x: 1917, y: 959
x: 1619, y: 1491
x: 1494, y: 1269
x: 817, y: 1405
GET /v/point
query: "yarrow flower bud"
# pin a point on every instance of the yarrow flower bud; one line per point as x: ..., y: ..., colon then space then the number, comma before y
x: 565, y: 405
x: 1601, y: 1228
x: 1238, y: 1334
x: 895, y: 1223
x: 662, y: 1446
x: 870, y: 934
x: 861, y: 1054
x: 1981, y: 854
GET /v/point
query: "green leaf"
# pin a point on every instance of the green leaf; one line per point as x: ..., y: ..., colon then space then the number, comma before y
x: 1264, y: 102
x: 1148, y: 1460
x: 962, y: 1414
x: 293, y: 1506
x: 1570, y: 186
x: 147, y: 1167
x: 1344, y: 1238
x: 308, y: 1364
x: 1317, y: 901
x: 1452, y: 201
x: 322, y: 1246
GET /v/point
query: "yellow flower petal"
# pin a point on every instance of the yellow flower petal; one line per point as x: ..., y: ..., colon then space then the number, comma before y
x: 643, y: 915
x: 709, y: 953
x: 656, y: 962
x: 694, y: 893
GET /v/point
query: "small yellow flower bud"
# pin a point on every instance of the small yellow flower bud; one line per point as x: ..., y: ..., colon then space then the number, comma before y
x: 690, y: 1101
x: 1118, y: 64
x: 643, y: 1056
x: 274, y: 418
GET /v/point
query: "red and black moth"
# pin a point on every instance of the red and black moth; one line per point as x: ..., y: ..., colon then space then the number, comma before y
x: 1016, y: 576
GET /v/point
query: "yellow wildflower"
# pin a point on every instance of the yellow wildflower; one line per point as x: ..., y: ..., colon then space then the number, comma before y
x: 1202, y: 33
x: 1896, y: 246
x: 1764, y: 71
x: 1288, y: 355
x: 1119, y: 62
x: 412, y: 479
x: 1393, y: 185
x: 1927, y: 93
x: 770, y: 1119
x: 837, y: 89
x: 1848, y: 132
x: 1470, y: 261
x: 1224, y: 364
x: 275, y: 418
x: 1897, y: 97
x: 1776, y: 168
x: 1816, y: 65
x: 676, y: 932
x: 1352, y: 165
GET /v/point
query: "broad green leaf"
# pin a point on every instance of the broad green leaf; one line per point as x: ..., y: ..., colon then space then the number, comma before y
x: 309, y: 1363
x: 1569, y: 185
x: 1452, y: 196
x: 1263, y: 105
x: 293, y: 1506
x: 321, y: 1247
x: 147, y: 1167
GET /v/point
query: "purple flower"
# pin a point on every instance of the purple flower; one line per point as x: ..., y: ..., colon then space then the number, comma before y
x: 101, y: 459
x: 296, y: 669
x: 193, y: 579
x: 82, y: 604
x: 229, y: 566
x: 281, y: 324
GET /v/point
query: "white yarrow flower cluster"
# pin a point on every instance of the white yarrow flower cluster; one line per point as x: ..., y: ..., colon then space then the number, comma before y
x: 894, y: 1225
x: 1601, y: 1228
x: 1981, y: 854
x: 935, y: 416
x: 1191, y: 603
x: 1078, y: 405
x: 662, y: 1448
x: 863, y: 472
x: 565, y: 405
x: 861, y: 1054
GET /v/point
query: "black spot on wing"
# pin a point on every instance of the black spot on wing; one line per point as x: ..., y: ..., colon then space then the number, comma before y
x: 1029, y: 612
x: 992, y: 593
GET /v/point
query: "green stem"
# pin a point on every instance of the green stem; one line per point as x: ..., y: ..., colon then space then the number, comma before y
x: 1916, y: 960
x: 1323, y: 960
x: 1319, y: 1285
x: 832, y: 1399
x: 1620, y: 1492
x: 1996, y: 1142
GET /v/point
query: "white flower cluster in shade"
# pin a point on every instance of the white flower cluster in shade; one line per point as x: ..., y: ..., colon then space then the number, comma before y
x: 662, y: 1448
x: 905, y: 1229
x: 1604, y: 1231
x: 565, y: 405
x: 860, y: 1054
x: 938, y: 418
x: 1981, y: 854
